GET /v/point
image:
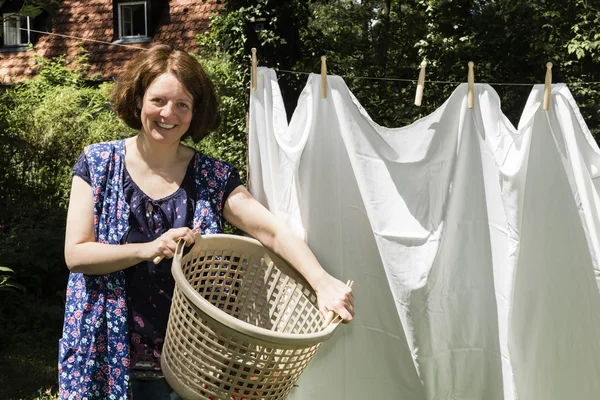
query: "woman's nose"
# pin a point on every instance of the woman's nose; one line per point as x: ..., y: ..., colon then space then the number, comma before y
x: 167, y: 110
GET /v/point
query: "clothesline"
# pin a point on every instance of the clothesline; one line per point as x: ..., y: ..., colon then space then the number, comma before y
x: 307, y: 73
x: 431, y: 81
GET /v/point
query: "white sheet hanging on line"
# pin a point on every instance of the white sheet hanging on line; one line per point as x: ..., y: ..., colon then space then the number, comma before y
x: 418, y: 218
x: 581, y: 158
x: 554, y: 323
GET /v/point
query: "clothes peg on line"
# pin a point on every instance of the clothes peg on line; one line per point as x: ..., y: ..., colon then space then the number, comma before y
x: 548, y: 85
x: 253, y: 73
x: 471, y: 86
x: 324, y: 77
x: 420, y: 84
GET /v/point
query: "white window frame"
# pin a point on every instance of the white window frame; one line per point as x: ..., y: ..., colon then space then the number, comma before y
x: 12, y: 16
x: 133, y: 3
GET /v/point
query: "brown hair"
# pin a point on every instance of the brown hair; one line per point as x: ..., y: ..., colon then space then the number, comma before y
x: 129, y: 91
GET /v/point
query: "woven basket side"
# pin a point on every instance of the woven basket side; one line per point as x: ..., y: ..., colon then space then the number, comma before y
x: 221, y: 363
x: 253, y: 289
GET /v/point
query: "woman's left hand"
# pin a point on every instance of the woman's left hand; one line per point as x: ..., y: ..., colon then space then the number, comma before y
x: 334, y: 295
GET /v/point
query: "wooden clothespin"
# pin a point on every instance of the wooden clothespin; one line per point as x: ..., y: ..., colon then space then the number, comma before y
x: 253, y: 73
x: 471, y: 86
x: 323, y: 77
x: 548, y: 85
x: 420, y: 84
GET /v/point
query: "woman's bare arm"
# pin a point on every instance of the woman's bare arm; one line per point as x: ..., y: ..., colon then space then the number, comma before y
x: 84, y: 254
x: 245, y: 212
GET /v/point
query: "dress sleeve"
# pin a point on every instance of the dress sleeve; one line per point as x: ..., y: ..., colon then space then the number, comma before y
x: 233, y: 182
x: 82, y: 169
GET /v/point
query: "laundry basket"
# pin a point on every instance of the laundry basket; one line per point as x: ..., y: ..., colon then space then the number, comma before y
x: 243, y: 323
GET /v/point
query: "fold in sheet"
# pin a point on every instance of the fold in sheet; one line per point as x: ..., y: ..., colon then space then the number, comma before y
x: 468, y: 241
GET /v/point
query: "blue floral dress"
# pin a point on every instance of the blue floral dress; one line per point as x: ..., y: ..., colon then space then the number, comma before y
x: 138, y: 298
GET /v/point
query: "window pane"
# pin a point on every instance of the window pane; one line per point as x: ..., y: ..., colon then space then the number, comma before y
x: 11, y: 31
x: 24, y: 31
x: 133, y: 20
x: 127, y: 26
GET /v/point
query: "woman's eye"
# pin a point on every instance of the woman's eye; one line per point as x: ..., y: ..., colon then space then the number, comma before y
x: 184, y: 105
x: 156, y: 100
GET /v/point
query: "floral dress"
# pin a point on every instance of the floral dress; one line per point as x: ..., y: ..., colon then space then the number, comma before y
x: 141, y: 295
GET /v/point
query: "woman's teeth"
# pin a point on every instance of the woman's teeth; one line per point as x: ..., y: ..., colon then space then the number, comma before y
x: 165, y: 126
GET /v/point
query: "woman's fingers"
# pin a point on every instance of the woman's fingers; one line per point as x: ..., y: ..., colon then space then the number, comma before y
x: 166, y: 245
x: 337, y: 298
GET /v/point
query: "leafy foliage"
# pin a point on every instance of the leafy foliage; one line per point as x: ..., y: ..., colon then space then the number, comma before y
x: 228, y: 143
x: 6, y: 281
x: 46, y: 122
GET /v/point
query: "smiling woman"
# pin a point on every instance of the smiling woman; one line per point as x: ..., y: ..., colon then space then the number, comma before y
x: 167, y: 109
x: 131, y: 201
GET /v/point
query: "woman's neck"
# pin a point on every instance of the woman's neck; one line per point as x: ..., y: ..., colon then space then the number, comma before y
x: 154, y: 155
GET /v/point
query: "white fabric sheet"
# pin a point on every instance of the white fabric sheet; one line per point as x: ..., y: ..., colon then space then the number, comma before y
x: 473, y: 245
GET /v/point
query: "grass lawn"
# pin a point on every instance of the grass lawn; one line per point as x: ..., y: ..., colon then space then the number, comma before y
x: 29, y: 333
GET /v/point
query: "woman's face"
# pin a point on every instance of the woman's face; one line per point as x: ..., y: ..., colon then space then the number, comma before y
x: 167, y: 110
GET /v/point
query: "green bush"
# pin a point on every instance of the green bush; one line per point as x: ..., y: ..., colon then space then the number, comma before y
x: 45, y: 124
x: 228, y: 143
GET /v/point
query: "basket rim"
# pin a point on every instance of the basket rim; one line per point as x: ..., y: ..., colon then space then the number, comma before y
x: 219, y: 316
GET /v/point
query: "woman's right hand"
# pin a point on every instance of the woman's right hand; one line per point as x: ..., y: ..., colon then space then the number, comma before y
x: 165, y: 245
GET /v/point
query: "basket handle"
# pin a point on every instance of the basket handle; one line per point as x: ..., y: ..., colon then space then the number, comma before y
x: 179, y: 248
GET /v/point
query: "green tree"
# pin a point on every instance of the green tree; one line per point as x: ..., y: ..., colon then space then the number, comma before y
x: 509, y: 41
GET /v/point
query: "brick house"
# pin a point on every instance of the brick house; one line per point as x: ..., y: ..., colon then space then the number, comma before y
x: 112, y: 31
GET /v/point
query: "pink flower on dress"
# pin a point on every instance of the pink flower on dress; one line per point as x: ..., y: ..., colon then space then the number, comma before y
x: 104, y: 154
x: 139, y: 321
